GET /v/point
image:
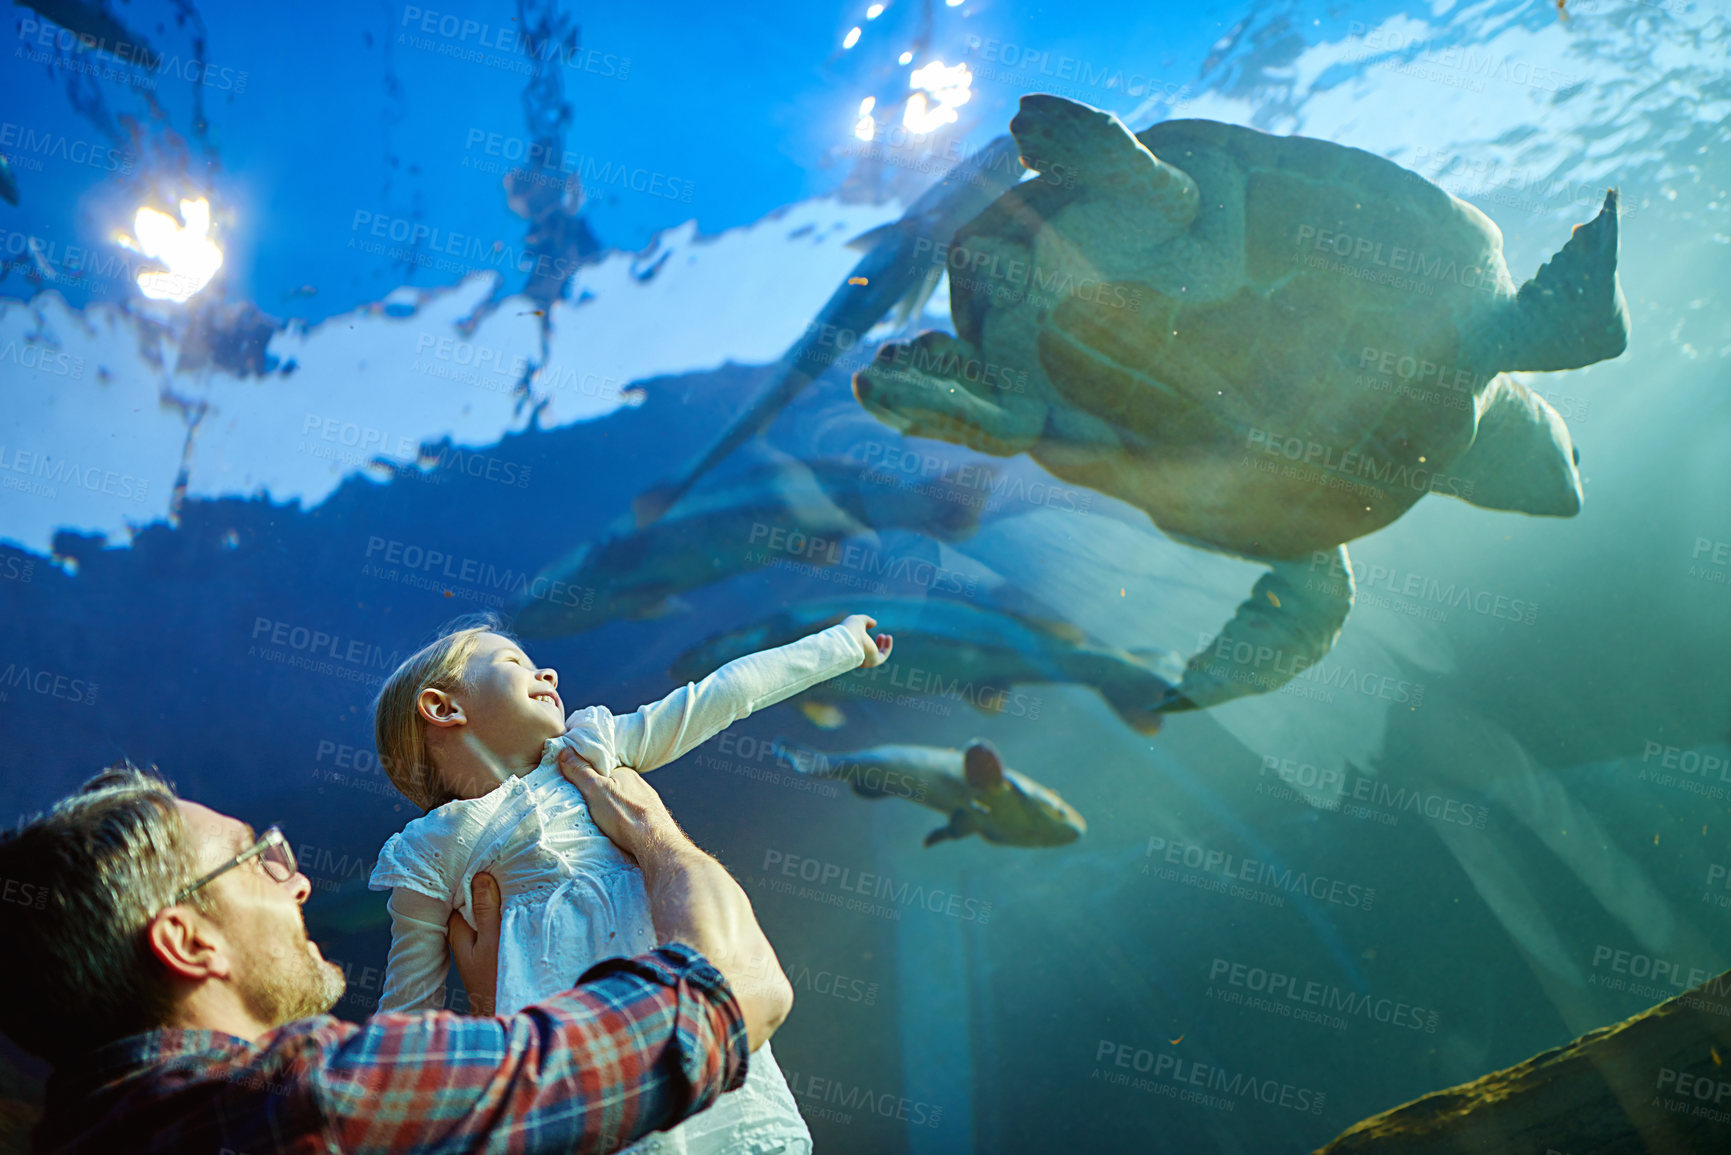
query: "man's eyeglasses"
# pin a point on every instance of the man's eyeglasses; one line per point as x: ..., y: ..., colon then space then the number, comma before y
x: 273, y: 852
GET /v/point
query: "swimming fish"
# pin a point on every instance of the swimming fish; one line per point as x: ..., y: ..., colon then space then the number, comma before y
x: 792, y: 512
x: 952, y: 649
x: 973, y: 786
x: 97, y: 30
x: 892, y: 274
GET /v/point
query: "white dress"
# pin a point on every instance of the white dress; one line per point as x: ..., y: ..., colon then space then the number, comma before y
x: 570, y: 896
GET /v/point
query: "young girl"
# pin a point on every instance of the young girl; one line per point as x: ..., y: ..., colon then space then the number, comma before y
x: 471, y: 732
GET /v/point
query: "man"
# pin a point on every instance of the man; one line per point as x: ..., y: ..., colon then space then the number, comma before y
x: 166, y: 973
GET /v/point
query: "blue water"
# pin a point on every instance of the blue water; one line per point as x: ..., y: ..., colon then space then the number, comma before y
x: 1441, y: 885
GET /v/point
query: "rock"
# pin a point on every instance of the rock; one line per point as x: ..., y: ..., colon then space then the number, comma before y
x: 1653, y: 1083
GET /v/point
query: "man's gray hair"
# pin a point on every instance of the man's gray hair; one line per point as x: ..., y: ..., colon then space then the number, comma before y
x: 80, y: 885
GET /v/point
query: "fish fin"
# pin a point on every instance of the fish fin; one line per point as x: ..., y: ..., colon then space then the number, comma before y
x: 959, y: 520
x: 962, y: 823
x: 648, y: 506
x: 823, y: 715
x: 1062, y: 630
x: 871, y: 238
x: 864, y: 790
x: 666, y: 607
x: 1167, y: 665
x: 941, y: 834
x: 982, y: 766
x: 913, y: 303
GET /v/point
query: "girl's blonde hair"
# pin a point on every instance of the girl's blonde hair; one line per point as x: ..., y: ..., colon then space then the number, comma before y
x: 398, y: 728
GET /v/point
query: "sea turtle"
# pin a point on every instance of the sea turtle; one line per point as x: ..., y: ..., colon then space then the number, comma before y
x: 1272, y: 345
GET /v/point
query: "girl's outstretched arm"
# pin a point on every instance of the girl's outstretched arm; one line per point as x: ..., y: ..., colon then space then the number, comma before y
x: 658, y: 733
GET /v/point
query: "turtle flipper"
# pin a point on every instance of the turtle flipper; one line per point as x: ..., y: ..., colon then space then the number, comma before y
x: 1522, y: 458
x: 1289, y: 622
x: 936, y: 386
x: 1071, y: 143
x: 1572, y: 312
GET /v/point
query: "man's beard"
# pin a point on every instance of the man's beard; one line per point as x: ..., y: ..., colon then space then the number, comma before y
x: 291, y: 985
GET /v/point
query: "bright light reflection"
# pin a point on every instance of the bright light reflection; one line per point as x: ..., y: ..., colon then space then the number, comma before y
x: 948, y: 90
x: 192, y: 258
x: 866, y: 127
x: 905, y: 58
x: 874, y: 11
x: 852, y: 37
x: 953, y: 3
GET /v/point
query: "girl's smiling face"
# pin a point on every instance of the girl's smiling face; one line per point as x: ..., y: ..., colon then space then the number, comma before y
x: 511, y: 702
x: 504, y: 712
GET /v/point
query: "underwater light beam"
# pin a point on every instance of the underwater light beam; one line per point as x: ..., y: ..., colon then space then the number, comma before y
x: 948, y: 89
x: 191, y: 256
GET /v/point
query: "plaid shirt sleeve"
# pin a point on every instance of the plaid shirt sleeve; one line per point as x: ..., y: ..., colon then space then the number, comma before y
x: 639, y: 1045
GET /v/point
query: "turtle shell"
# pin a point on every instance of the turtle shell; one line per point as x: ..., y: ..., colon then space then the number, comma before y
x: 1323, y: 298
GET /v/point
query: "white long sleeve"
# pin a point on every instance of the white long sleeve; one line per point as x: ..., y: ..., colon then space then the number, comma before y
x: 418, y: 963
x: 662, y: 731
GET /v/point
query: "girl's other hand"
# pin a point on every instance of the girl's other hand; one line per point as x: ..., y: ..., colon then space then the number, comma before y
x: 875, y: 651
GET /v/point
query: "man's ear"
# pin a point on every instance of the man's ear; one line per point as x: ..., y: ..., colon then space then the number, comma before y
x: 438, y: 708
x: 185, y: 942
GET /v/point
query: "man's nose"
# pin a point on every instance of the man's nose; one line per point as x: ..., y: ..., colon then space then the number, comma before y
x: 300, y: 886
x: 549, y: 674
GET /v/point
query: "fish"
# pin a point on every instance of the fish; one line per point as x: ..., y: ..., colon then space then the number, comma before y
x: 8, y: 183
x: 97, y: 30
x: 797, y: 512
x: 891, y: 275
x: 822, y: 715
x: 956, y: 649
x: 973, y: 787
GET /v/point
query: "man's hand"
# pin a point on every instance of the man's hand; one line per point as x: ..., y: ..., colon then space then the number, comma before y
x: 692, y: 898
x: 477, y: 951
x: 624, y: 806
x: 876, y: 651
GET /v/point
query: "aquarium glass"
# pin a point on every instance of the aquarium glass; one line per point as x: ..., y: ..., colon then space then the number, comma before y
x: 1311, y: 622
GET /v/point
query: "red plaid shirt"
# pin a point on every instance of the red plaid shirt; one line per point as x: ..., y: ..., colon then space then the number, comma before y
x: 637, y: 1046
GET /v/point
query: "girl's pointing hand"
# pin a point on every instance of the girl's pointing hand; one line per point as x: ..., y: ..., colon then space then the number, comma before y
x: 875, y: 651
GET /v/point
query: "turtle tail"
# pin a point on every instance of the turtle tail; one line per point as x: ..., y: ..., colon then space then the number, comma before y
x: 1572, y: 312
